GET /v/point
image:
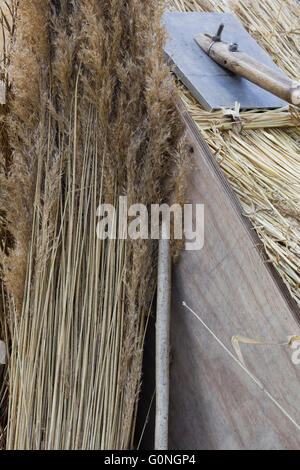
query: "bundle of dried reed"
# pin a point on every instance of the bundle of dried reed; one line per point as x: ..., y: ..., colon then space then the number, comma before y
x: 259, y: 152
x: 7, y: 28
x: 92, y: 117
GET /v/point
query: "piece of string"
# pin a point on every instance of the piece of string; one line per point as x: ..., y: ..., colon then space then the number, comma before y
x: 236, y: 340
x: 235, y: 114
x: 252, y: 376
x: 146, y: 421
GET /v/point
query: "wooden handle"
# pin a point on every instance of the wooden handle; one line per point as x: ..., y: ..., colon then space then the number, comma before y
x: 256, y: 72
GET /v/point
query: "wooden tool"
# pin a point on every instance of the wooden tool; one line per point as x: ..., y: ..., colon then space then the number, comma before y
x: 214, y: 86
x: 228, y: 55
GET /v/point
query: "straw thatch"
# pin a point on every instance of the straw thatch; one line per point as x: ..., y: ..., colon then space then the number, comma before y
x: 259, y: 150
x: 92, y: 116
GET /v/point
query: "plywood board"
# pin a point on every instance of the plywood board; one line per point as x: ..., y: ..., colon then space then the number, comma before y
x: 213, y: 403
x: 212, y: 85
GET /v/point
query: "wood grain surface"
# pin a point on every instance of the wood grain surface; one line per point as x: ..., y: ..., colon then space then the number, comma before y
x: 213, y: 403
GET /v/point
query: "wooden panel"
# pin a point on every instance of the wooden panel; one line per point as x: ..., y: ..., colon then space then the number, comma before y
x: 214, y: 404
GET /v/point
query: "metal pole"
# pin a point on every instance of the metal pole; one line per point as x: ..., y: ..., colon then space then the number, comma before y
x: 2, y: 357
x: 163, y: 342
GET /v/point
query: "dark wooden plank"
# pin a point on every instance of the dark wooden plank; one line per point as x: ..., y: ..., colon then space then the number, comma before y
x: 214, y: 404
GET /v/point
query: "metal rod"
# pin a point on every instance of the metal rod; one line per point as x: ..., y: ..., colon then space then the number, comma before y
x: 163, y: 342
x: 2, y: 358
x: 2, y: 353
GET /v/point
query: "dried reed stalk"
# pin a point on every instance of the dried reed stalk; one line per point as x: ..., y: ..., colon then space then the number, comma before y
x: 7, y: 29
x: 260, y: 152
x: 92, y: 117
